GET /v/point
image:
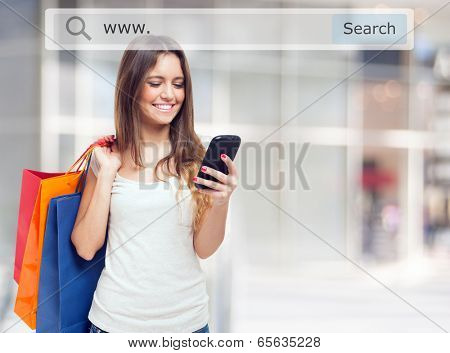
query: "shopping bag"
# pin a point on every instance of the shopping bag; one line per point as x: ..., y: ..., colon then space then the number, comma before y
x: 26, y: 300
x: 67, y: 282
x: 31, y: 180
x: 27, y: 293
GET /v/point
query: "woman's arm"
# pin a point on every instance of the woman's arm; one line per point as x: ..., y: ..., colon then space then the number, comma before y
x: 89, y: 232
x: 212, y: 231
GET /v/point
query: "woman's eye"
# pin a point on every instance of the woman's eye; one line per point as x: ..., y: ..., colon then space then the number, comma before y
x: 154, y: 84
x: 179, y: 85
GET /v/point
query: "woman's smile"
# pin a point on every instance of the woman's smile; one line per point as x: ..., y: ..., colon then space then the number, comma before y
x: 165, y: 108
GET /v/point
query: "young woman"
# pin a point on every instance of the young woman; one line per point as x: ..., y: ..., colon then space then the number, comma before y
x: 158, y: 223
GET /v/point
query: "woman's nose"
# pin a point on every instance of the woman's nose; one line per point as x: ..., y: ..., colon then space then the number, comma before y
x: 167, y: 93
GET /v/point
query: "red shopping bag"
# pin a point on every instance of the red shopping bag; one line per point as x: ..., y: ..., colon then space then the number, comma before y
x: 31, y: 180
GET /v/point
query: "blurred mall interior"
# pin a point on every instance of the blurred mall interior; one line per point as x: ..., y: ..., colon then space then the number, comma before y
x: 366, y: 248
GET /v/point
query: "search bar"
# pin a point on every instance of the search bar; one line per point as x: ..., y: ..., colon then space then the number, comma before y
x: 233, y: 29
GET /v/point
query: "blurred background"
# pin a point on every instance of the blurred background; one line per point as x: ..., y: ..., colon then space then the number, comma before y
x: 366, y: 248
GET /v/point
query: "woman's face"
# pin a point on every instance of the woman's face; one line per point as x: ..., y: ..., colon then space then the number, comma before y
x: 163, y: 92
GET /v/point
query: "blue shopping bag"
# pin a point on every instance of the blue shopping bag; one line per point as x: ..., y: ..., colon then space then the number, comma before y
x: 67, y: 282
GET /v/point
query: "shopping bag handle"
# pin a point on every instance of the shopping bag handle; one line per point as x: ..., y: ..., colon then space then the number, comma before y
x: 82, y: 181
x: 101, y: 142
x: 85, y: 160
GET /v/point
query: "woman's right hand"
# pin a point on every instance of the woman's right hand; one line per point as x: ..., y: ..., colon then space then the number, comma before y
x: 108, y: 158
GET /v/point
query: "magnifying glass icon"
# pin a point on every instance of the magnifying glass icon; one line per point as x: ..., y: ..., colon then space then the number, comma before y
x: 79, y: 20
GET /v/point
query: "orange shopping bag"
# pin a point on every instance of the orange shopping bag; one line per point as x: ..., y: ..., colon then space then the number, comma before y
x: 27, y: 294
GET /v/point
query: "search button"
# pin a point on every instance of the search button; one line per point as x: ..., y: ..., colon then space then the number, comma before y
x: 370, y: 29
x: 74, y: 20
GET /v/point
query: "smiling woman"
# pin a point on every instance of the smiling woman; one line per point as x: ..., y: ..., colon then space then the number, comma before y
x: 165, y: 93
x: 153, y: 282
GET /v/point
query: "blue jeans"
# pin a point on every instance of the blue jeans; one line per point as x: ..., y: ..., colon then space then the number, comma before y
x: 95, y: 329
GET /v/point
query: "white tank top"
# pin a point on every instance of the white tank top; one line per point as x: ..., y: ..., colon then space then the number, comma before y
x: 152, y: 280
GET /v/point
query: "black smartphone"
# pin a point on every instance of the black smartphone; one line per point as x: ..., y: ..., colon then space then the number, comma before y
x: 227, y: 144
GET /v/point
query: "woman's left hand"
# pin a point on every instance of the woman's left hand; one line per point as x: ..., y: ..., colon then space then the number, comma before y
x: 222, y: 190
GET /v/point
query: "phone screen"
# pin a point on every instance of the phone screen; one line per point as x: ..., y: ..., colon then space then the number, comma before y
x: 227, y: 144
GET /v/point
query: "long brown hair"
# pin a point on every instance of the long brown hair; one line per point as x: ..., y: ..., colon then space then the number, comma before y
x: 187, y: 150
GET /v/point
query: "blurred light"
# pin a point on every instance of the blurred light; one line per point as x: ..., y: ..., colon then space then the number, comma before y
x: 378, y: 93
x: 442, y: 64
x: 424, y: 90
x: 390, y: 215
x: 393, y: 89
x: 381, y: 6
